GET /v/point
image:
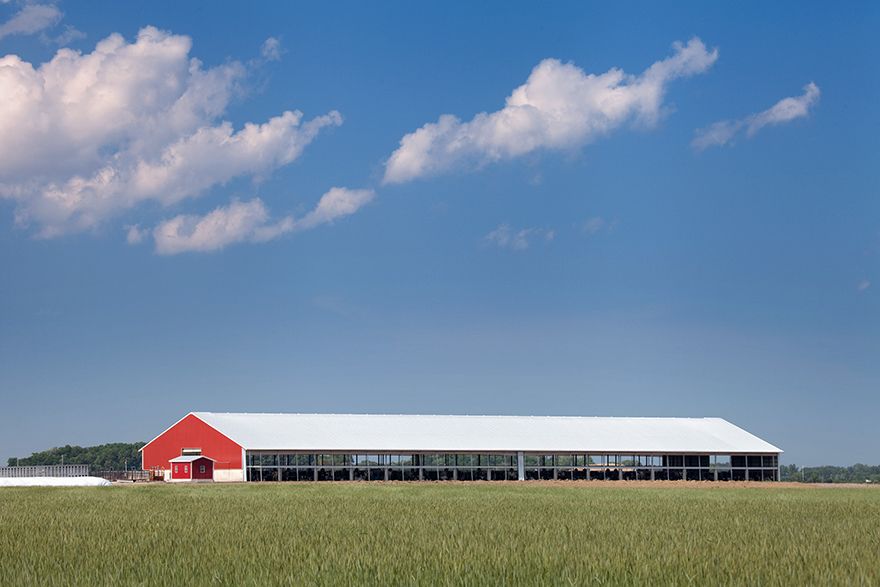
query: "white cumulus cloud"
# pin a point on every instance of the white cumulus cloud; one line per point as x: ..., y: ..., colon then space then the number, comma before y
x: 32, y: 18
x: 237, y: 222
x: 336, y: 203
x: 86, y: 136
x: 559, y: 107
x: 724, y: 132
x: 505, y: 237
x: 248, y: 222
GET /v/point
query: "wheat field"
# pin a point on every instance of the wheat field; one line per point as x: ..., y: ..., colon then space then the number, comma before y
x: 436, y: 533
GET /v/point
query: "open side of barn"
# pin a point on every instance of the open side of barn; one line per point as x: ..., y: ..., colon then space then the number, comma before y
x: 350, y: 447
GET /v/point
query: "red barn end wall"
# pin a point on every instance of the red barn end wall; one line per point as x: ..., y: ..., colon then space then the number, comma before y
x: 191, y: 432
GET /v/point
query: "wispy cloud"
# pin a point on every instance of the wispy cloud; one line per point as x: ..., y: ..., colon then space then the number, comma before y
x: 134, y: 234
x: 594, y: 225
x: 863, y: 285
x: 32, y: 18
x: 271, y: 49
x: 559, y: 107
x: 69, y: 35
x: 250, y: 221
x: 725, y: 131
x: 506, y: 237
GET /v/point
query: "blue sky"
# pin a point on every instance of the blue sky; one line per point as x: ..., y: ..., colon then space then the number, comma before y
x: 700, y: 238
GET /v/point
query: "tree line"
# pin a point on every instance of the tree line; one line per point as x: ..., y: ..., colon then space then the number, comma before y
x: 116, y: 456
x: 857, y: 473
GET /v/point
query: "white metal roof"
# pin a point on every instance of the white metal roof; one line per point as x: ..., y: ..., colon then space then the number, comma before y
x: 189, y: 458
x: 366, y: 433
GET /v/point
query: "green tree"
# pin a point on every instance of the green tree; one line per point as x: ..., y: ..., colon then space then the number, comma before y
x: 114, y: 456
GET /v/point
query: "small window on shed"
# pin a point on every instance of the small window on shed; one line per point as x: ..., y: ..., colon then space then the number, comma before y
x: 175, y: 468
x: 186, y: 468
x: 201, y: 468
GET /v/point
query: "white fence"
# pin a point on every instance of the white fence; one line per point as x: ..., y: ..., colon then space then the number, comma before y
x: 45, y: 471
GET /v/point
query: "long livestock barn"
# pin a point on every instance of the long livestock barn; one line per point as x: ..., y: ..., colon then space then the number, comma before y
x: 335, y: 447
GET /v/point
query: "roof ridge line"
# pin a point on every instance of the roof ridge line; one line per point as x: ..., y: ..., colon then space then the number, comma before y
x: 324, y: 414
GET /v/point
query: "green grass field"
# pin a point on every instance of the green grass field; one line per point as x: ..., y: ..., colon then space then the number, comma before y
x: 406, y: 534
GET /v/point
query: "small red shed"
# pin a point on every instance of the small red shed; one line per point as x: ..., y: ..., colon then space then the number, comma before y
x: 192, y: 468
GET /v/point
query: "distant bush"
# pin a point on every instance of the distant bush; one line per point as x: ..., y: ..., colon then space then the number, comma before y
x: 857, y: 473
x: 114, y: 456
